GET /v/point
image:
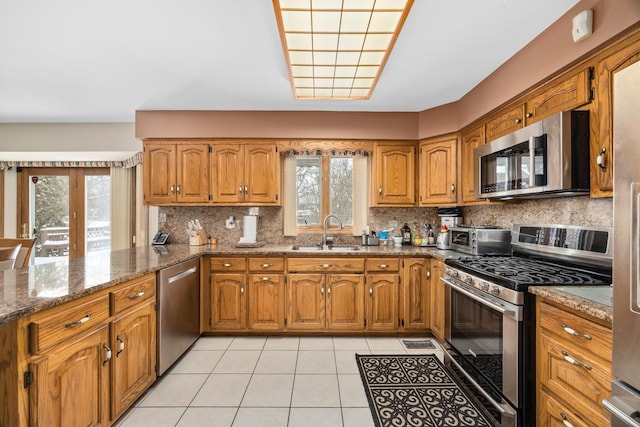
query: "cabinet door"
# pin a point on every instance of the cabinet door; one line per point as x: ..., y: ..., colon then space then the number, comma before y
x: 192, y: 173
x: 228, y: 173
x: 438, y: 170
x: 266, y: 301
x: 382, y: 302
x: 469, y: 141
x: 567, y: 94
x: 133, y: 340
x: 437, y: 299
x: 416, y: 293
x: 261, y: 174
x: 505, y: 122
x: 345, y: 301
x: 228, y: 304
x: 601, y: 123
x: 71, y: 383
x: 159, y: 173
x: 394, y: 175
x: 306, y: 301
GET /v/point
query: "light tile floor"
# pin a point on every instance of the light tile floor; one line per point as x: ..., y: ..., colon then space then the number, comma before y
x: 264, y: 382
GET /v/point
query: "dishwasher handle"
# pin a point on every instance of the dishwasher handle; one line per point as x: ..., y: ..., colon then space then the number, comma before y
x: 182, y: 275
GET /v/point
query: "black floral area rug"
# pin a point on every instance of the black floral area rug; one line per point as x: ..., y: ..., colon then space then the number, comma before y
x: 416, y: 391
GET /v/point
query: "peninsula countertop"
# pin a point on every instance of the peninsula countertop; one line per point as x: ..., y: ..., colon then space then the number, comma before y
x: 39, y: 287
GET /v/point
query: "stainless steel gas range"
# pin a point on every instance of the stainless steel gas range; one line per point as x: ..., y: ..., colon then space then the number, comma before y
x: 490, y: 316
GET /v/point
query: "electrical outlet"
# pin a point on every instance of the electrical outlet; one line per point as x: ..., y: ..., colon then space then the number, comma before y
x: 254, y: 211
x: 162, y: 218
x: 230, y: 223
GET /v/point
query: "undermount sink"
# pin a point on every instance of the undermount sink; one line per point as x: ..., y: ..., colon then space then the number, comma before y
x: 306, y: 248
x: 344, y: 248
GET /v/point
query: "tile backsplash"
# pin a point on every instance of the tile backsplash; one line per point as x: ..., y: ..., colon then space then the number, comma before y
x: 580, y: 210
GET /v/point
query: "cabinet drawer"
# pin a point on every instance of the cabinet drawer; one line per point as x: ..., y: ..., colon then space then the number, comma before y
x: 228, y: 264
x: 52, y: 326
x: 350, y: 265
x: 266, y: 264
x: 552, y: 413
x: 582, y: 381
x: 132, y: 294
x: 382, y: 264
x: 591, y: 338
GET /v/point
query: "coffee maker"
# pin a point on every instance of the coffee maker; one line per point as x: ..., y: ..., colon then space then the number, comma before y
x: 449, y: 217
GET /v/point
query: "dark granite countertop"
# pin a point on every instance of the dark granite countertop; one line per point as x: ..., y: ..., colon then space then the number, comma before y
x: 39, y: 287
x: 596, y: 301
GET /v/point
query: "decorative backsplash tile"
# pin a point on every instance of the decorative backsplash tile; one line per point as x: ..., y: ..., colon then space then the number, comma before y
x: 580, y: 210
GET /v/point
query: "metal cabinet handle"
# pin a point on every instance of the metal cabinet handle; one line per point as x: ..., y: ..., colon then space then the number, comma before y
x: 240, y: 189
x: 573, y: 361
x: 172, y: 189
x: 322, y: 290
x: 529, y: 115
x: 600, y: 159
x: 242, y: 290
x: 120, y: 346
x: 565, y: 420
x: 246, y: 189
x: 265, y: 279
x: 107, y: 355
x: 573, y: 332
x: 326, y: 265
x: 428, y: 274
x: 138, y: 295
x: 266, y: 265
x: 328, y: 290
x: 518, y: 120
x: 370, y: 291
x: 382, y: 265
x: 380, y: 190
x: 85, y: 319
x: 227, y: 264
x: 453, y: 188
x: 178, y: 188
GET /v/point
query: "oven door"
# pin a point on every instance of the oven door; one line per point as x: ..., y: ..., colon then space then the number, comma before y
x: 483, y: 340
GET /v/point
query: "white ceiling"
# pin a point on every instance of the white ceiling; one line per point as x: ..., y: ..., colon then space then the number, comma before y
x: 100, y: 61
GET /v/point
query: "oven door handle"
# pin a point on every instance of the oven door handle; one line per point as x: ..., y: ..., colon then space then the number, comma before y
x: 504, y: 409
x: 480, y: 299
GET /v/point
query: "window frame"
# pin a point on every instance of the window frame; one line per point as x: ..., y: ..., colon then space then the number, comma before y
x: 325, y: 204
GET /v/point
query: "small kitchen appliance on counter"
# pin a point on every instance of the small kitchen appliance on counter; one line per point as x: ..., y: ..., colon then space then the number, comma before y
x: 449, y: 218
x: 480, y: 240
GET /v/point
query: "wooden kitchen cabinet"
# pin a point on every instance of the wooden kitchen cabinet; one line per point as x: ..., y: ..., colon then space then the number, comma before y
x: 228, y: 305
x: 566, y: 93
x: 266, y: 294
x: 415, y: 294
x: 246, y: 174
x: 573, y: 363
x: 71, y: 384
x: 382, y: 289
x: 438, y: 171
x: 133, y: 342
x: 176, y: 173
x: 619, y: 57
x: 325, y: 294
x: 469, y: 141
x: 437, y: 299
x: 393, y: 182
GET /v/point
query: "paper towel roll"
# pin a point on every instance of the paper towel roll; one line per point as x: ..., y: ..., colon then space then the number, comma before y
x: 250, y: 224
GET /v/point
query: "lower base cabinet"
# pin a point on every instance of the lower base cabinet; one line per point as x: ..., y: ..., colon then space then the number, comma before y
x: 416, y: 303
x: 266, y: 302
x: 71, y: 384
x: 382, y: 302
x: 437, y: 299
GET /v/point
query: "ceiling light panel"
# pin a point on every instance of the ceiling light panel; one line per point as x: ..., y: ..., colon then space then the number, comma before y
x: 337, y: 49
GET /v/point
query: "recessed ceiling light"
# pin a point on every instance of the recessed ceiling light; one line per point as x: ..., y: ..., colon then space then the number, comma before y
x: 336, y: 49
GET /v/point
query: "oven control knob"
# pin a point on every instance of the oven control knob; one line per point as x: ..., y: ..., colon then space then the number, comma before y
x: 454, y: 273
x: 468, y: 279
x: 485, y: 286
x: 495, y: 290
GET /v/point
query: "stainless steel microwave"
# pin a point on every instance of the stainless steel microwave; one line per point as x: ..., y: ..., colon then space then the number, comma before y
x: 549, y: 158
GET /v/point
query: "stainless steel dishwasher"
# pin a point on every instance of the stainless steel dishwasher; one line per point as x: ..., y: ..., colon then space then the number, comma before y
x: 178, y: 311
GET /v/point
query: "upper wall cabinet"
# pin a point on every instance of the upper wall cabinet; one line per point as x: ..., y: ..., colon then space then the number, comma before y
x: 566, y: 94
x: 176, y: 173
x: 622, y: 55
x: 246, y: 174
x: 438, y: 171
x: 469, y: 141
x: 394, y: 175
